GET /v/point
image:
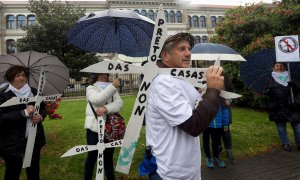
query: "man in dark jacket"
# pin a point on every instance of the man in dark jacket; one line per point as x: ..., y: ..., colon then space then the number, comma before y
x: 281, y: 109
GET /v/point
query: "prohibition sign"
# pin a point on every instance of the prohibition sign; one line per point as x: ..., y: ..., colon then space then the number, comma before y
x: 288, y: 44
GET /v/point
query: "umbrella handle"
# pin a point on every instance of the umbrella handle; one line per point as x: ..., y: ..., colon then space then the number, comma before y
x: 290, y: 79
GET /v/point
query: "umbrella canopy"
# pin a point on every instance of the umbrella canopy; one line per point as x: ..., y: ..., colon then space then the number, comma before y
x: 113, y: 31
x: 139, y: 58
x: 213, y: 51
x: 57, y: 74
x: 256, y: 72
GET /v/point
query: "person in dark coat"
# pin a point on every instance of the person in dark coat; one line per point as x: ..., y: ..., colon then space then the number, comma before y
x: 15, y: 124
x: 281, y: 108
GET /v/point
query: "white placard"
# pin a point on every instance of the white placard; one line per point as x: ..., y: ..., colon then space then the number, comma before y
x: 113, y: 67
x: 287, y: 48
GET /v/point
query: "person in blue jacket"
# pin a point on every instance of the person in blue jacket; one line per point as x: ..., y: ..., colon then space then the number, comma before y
x: 214, y: 131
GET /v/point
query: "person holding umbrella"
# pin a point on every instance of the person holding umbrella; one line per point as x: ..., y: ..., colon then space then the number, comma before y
x: 281, y: 109
x: 103, y: 98
x: 14, y: 125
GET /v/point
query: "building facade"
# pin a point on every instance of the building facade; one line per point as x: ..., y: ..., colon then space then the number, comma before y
x: 199, y: 20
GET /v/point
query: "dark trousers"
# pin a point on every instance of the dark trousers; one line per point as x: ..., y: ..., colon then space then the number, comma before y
x: 215, y: 134
x: 227, y: 140
x: 14, y: 164
x: 92, y: 139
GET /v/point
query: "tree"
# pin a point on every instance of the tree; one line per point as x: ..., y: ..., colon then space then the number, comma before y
x: 251, y: 28
x: 48, y: 34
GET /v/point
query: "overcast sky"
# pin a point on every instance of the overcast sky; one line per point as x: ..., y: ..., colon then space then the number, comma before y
x: 213, y: 2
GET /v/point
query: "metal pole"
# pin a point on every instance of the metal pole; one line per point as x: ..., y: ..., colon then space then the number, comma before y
x: 290, y: 79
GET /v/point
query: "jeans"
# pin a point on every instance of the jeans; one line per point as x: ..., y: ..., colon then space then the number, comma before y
x: 281, y: 129
x: 154, y: 176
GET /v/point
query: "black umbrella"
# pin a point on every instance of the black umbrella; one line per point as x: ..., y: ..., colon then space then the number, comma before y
x: 57, y: 74
x: 113, y: 31
x: 256, y: 71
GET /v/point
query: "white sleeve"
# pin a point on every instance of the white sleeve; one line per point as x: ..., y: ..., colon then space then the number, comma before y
x: 99, y: 98
x: 170, y: 100
x: 116, y: 105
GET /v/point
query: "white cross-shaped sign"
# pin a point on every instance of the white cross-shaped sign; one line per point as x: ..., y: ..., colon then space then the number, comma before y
x: 195, y: 75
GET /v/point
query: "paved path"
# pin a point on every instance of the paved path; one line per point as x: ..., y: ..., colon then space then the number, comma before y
x: 274, y: 165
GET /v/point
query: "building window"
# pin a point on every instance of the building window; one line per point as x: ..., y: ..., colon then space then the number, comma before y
x: 204, y: 39
x: 190, y: 21
x: 178, y: 17
x: 151, y: 15
x: 213, y: 21
x: 137, y: 11
x: 156, y: 12
x: 172, y: 17
x: 11, y: 46
x: 220, y: 19
x: 195, y: 22
x: 144, y: 13
x: 166, y: 16
x: 10, y: 22
x: 202, y: 22
x: 20, y: 21
x: 30, y: 20
x: 197, y: 39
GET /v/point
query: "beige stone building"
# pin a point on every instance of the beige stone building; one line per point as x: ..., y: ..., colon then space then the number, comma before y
x: 199, y: 20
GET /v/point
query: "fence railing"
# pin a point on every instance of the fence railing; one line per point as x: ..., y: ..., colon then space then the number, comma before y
x: 129, y: 85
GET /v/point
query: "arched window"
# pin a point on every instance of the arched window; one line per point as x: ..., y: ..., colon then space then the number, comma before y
x: 190, y: 21
x: 20, y: 21
x: 204, y: 39
x: 220, y: 19
x: 151, y: 14
x: 195, y: 22
x: 156, y: 12
x: 197, y: 39
x: 172, y: 17
x: 137, y: 11
x: 202, y: 22
x: 11, y: 46
x: 166, y: 16
x: 213, y: 21
x: 144, y: 13
x: 178, y: 17
x: 30, y: 19
x: 10, y: 22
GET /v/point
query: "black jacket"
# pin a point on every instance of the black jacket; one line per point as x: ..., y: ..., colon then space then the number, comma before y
x: 13, y: 126
x: 280, y: 107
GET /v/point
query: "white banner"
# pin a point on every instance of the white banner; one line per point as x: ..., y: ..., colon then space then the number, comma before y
x: 287, y: 48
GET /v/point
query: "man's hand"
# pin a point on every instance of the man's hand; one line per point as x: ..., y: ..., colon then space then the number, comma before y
x: 225, y: 128
x: 214, y: 78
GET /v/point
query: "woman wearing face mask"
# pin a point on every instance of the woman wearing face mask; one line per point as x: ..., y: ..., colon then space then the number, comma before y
x: 104, y: 98
x: 280, y: 108
x: 15, y: 123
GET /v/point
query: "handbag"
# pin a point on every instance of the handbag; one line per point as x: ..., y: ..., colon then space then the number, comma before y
x: 114, y: 126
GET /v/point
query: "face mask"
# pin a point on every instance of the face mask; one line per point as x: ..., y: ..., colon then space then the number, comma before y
x: 101, y: 85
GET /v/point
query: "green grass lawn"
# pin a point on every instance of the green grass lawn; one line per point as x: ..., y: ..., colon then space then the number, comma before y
x: 251, y: 130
